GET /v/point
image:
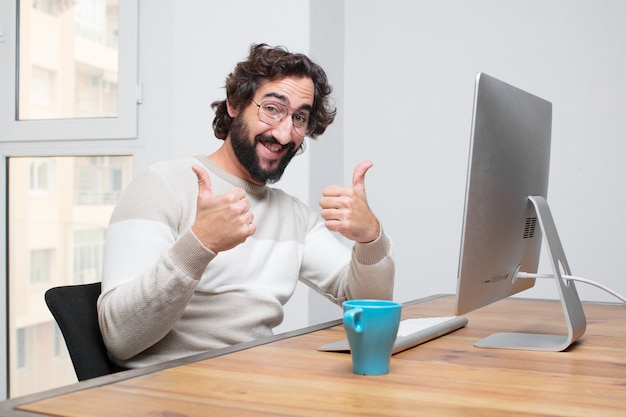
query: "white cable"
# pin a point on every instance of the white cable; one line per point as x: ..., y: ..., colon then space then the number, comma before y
x: 572, y: 278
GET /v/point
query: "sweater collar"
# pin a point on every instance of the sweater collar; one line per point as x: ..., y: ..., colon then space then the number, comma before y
x: 232, y: 179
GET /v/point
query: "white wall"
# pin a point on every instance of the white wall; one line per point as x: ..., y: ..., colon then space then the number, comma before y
x: 409, y: 81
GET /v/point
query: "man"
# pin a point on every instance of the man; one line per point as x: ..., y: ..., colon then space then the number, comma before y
x: 202, y: 254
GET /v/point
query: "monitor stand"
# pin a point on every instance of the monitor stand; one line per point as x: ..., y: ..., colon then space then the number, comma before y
x: 572, y: 308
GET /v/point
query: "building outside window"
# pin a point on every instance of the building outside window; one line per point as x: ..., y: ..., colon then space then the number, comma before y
x: 68, y: 64
x: 55, y: 238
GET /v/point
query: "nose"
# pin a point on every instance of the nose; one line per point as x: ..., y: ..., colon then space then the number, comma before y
x: 284, y: 131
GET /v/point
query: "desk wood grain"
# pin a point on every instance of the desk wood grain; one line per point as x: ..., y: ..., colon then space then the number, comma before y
x: 444, y: 377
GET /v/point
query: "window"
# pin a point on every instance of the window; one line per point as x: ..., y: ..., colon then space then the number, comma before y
x: 41, y: 264
x: 88, y: 250
x: 76, y: 76
x: 60, y: 348
x: 73, y: 49
x: 43, y: 84
x: 22, y: 351
x: 68, y: 74
x: 41, y: 176
x: 54, y: 240
x: 99, y: 180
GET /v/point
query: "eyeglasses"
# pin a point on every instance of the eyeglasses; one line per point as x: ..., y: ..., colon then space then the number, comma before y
x: 273, y: 112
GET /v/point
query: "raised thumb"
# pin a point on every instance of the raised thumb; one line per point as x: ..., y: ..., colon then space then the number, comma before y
x: 358, y: 177
x: 204, y: 181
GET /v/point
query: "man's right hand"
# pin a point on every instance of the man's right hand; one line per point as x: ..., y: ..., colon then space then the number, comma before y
x: 222, y: 221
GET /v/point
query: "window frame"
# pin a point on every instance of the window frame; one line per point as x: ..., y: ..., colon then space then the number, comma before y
x: 68, y: 137
x: 124, y: 126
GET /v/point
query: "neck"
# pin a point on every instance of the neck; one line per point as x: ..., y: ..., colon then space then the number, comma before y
x: 226, y: 159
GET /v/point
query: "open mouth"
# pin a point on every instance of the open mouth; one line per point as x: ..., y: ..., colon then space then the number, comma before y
x: 273, y: 145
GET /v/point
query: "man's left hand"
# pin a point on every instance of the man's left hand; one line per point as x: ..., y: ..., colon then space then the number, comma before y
x: 346, y: 211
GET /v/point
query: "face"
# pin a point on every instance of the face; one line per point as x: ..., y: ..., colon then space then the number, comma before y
x: 264, y: 150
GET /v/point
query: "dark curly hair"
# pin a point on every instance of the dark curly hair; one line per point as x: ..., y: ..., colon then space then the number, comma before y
x: 273, y: 63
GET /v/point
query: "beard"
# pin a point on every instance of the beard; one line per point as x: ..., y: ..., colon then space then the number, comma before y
x: 245, y: 150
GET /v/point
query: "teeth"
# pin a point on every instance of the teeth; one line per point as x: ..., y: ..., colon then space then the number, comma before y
x: 273, y: 147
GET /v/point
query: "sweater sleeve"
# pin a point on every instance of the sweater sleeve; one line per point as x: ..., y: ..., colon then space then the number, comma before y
x: 151, y: 267
x: 338, y: 273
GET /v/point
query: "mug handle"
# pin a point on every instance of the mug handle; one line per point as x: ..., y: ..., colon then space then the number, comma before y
x: 353, y: 319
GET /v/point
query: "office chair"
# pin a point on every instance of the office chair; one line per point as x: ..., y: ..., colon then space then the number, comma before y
x: 74, y: 309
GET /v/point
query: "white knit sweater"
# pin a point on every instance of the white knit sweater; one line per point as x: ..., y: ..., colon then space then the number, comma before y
x: 165, y: 295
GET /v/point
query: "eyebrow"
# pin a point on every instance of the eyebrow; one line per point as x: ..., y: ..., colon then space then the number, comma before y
x: 283, y: 99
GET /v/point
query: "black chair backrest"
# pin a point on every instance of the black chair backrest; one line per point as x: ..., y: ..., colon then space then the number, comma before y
x: 74, y: 309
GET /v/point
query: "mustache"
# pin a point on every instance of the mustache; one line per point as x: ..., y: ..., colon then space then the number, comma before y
x: 272, y: 141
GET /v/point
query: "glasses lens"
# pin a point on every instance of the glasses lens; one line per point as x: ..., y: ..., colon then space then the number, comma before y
x: 308, y: 128
x: 271, y: 113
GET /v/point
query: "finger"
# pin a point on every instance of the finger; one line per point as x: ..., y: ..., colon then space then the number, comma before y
x: 358, y: 177
x: 333, y: 191
x: 331, y: 214
x: 204, y: 181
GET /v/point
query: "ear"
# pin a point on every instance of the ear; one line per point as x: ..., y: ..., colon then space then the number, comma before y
x: 232, y: 111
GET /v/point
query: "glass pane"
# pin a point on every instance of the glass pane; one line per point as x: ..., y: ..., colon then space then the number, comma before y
x: 59, y: 208
x: 68, y: 59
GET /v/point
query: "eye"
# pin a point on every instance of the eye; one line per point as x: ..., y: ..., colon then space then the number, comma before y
x: 272, y: 110
x: 301, y: 119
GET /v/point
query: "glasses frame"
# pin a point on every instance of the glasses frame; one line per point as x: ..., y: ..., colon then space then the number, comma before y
x: 308, y: 129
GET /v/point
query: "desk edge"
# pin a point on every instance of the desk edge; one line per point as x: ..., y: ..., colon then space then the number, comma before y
x: 8, y: 408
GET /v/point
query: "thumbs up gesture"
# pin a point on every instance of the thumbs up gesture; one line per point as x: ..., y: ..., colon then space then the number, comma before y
x: 222, y: 221
x: 346, y: 211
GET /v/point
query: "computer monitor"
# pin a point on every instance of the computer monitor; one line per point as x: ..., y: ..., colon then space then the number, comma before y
x: 506, y: 212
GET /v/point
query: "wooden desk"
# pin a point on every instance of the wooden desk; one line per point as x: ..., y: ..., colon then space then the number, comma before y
x: 447, y: 376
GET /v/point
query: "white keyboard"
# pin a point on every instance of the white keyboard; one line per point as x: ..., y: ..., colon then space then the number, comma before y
x: 411, y: 332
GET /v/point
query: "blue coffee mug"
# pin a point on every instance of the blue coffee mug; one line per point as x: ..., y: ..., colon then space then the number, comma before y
x: 371, y: 327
